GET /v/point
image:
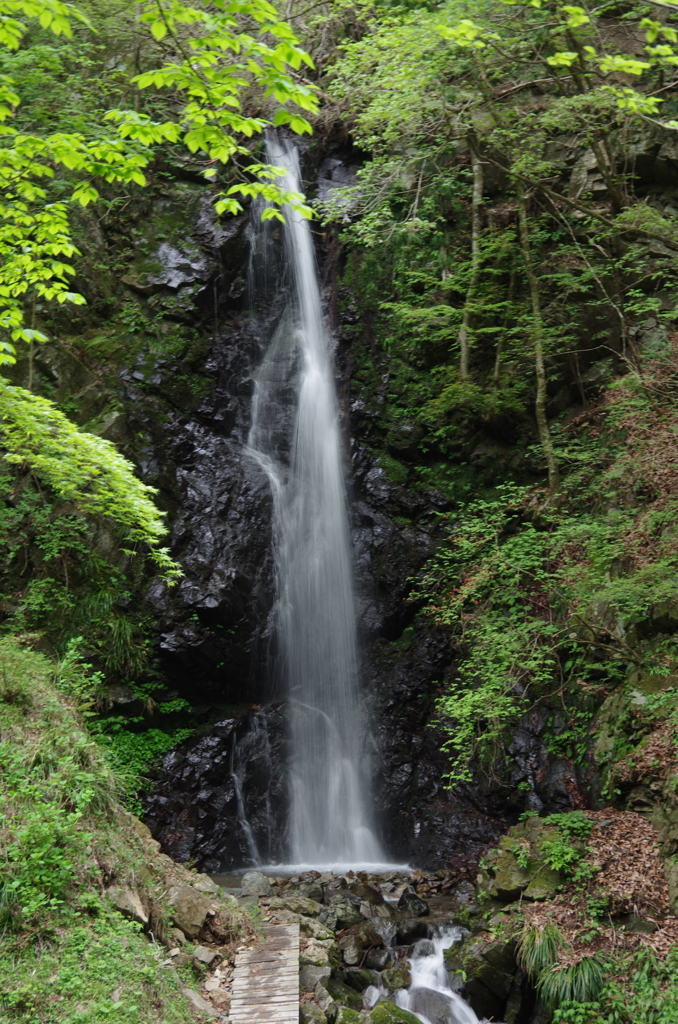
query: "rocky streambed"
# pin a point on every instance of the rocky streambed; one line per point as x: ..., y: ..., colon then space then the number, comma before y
x: 380, y: 949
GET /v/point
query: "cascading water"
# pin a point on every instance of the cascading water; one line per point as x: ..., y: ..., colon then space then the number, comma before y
x: 430, y: 996
x: 330, y: 790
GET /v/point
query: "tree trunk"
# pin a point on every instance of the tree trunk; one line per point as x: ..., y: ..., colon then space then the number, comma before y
x: 538, y: 339
x: 476, y: 202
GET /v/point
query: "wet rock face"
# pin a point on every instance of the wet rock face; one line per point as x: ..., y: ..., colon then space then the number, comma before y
x: 213, y: 626
x: 217, y: 638
x: 220, y: 800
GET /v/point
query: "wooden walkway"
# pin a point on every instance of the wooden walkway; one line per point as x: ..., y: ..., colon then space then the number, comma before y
x: 266, y: 979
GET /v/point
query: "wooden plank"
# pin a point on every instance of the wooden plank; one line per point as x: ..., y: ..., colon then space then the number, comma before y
x: 269, y: 981
x: 265, y: 987
x: 262, y: 997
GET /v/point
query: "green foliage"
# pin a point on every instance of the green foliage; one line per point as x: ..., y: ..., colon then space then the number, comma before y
x: 50, y: 786
x: 560, y: 855
x: 641, y: 990
x: 131, y: 754
x: 538, y: 948
x: 581, y: 982
x: 77, y: 679
x: 571, y: 824
x: 65, y: 951
x: 552, y: 601
x: 219, y: 52
x: 539, y: 951
x: 73, y: 977
x: 81, y: 468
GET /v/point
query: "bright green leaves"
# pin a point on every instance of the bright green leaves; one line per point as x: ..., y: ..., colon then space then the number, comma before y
x: 654, y: 30
x: 467, y: 34
x: 268, y: 189
x: 217, y: 55
x: 217, y: 60
x: 609, y: 64
x: 298, y: 124
x: 35, y: 235
x: 634, y: 102
x: 9, y: 98
x: 565, y: 59
x: 81, y: 468
x: 140, y: 127
x: 575, y: 17
x: 51, y: 14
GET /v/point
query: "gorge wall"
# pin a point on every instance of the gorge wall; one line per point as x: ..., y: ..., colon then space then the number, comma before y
x: 180, y: 407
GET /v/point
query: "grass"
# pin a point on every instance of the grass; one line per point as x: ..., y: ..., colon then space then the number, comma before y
x: 66, y: 955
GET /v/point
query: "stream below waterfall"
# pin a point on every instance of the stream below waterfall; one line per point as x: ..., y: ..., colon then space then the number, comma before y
x: 431, y: 996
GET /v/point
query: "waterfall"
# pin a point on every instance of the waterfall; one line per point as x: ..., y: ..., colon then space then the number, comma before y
x: 295, y: 437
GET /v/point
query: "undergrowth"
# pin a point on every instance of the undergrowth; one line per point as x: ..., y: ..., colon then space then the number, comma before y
x: 66, y: 955
x: 556, y: 603
x: 637, y: 990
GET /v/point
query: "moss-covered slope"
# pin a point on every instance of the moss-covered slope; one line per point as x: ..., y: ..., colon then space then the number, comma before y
x: 91, y: 914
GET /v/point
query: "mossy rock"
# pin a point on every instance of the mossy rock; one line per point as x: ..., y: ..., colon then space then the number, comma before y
x: 359, y: 978
x: 343, y: 994
x: 397, y: 976
x: 310, y: 1013
x: 515, y: 866
x: 346, y: 1016
x: 388, y: 1013
x: 488, y: 966
x: 609, y: 734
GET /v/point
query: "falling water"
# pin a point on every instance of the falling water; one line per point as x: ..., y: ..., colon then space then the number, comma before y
x: 430, y: 995
x: 330, y: 794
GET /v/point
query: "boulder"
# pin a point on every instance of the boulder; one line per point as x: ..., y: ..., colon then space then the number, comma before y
x: 357, y: 939
x: 314, y: 955
x: 296, y: 905
x: 386, y: 1012
x: 254, y: 883
x: 310, y: 926
x: 347, y: 1016
x: 346, y: 911
x: 314, y: 891
x: 325, y: 1001
x: 489, y: 967
x: 367, y: 894
x: 310, y: 1013
x: 309, y: 976
x: 205, y: 885
x: 359, y: 978
x: 516, y: 867
x: 423, y: 947
x: 204, y: 955
x: 199, y: 1003
x: 412, y: 904
x: 189, y: 909
x: 397, y: 976
x: 411, y: 929
x: 128, y: 903
x: 435, y: 1006
x: 343, y: 994
x: 378, y: 959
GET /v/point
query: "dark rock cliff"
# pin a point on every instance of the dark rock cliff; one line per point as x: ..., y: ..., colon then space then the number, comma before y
x: 217, y: 643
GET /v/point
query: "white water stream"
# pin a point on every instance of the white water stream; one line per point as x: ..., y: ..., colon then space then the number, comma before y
x: 430, y: 996
x: 330, y: 788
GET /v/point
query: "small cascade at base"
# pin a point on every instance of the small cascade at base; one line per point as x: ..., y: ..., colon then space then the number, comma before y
x: 431, y: 996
